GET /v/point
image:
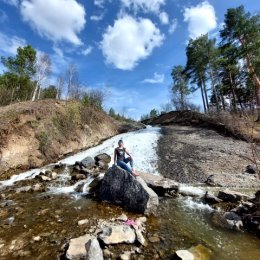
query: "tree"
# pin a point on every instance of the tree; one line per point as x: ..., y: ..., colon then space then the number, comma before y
x: 49, y: 92
x: 112, y: 112
x: 43, y: 70
x: 96, y: 98
x: 180, y: 88
x: 242, y: 31
x: 72, y: 80
x: 154, y: 113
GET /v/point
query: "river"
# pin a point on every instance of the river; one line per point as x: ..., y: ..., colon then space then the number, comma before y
x: 53, y: 213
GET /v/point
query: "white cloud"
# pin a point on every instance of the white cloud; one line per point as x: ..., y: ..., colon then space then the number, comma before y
x: 99, y: 3
x: 164, y: 18
x: 57, y: 20
x: 97, y: 18
x: 11, y: 2
x: 201, y: 19
x: 144, y: 5
x: 173, y: 26
x: 87, y: 51
x: 156, y: 79
x: 9, y: 45
x: 129, y: 40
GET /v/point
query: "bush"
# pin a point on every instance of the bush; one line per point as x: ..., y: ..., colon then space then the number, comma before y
x: 43, y: 141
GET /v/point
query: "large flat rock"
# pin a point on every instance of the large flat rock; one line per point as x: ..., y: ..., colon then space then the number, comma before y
x: 122, y: 188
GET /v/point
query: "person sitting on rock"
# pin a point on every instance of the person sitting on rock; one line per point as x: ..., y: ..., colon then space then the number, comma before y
x: 121, y: 161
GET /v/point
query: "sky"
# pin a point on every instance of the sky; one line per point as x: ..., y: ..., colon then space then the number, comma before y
x: 126, y: 48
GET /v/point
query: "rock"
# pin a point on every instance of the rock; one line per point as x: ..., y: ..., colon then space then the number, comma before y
x: 154, y: 239
x: 37, y: 238
x: 122, y: 188
x: 102, y: 165
x: 77, y: 249
x: 9, y: 221
x: 257, y: 197
x: 231, y: 196
x: 7, y: 203
x: 211, y: 199
x: 103, y: 157
x: 53, y: 175
x: 36, y: 187
x: 24, y: 189
x: 122, y: 217
x: 82, y: 222
x: 140, y: 238
x: 94, y: 185
x: 107, y: 253
x: 183, y: 255
x: 229, y: 220
x: 43, y: 178
x: 160, y: 184
x: 125, y: 256
x: 88, y: 162
x: 251, y: 169
x: 79, y: 187
x: 78, y: 177
x: 94, y: 252
x: 117, y: 234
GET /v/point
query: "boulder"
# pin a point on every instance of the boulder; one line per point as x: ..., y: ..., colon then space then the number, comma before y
x: 87, y: 162
x: 211, y: 199
x: 122, y: 188
x: 103, y: 157
x: 95, y: 184
x: 78, y: 177
x: 24, y: 189
x: 94, y: 252
x: 102, y: 165
x: 43, y: 178
x: 77, y: 248
x: 117, y: 234
x: 251, y: 169
x: 183, y: 255
x: 160, y: 184
x: 231, y: 196
x: 229, y: 220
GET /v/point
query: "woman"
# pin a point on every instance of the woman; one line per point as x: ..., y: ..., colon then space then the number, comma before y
x: 121, y: 161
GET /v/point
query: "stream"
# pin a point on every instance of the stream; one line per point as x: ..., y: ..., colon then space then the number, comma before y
x: 53, y: 214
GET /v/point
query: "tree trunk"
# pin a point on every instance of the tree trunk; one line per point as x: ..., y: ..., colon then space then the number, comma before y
x: 202, y: 96
x: 233, y: 92
x: 214, y: 89
x: 35, y: 92
x: 205, y: 94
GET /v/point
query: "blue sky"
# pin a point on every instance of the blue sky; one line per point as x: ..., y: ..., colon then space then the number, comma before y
x: 125, y: 47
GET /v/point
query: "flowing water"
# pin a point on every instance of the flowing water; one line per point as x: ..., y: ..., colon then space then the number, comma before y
x: 181, y: 222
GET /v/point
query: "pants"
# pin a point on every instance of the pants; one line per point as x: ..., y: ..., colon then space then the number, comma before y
x: 123, y: 164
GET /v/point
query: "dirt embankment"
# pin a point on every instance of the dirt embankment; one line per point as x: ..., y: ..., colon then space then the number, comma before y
x: 36, y: 133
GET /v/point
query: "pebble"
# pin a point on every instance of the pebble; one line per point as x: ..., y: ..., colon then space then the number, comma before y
x: 154, y: 239
x: 37, y: 238
x: 82, y: 222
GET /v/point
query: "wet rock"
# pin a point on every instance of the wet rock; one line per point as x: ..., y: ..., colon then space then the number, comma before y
x: 121, y: 187
x: 183, y: 255
x: 43, y: 178
x: 79, y: 187
x: 88, y: 163
x: 229, y: 220
x: 9, y: 221
x: 231, y: 196
x: 24, y: 189
x: 36, y: 187
x: 103, y: 157
x: 102, y: 165
x: 78, y: 177
x: 82, y: 222
x: 125, y: 256
x: 117, y: 234
x: 53, y: 175
x: 77, y: 249
x: 211, y: 199
x: 257, y: 197
x: 190, y: 191
x: 94, y: 252
x: 251, y: 169
x: 154, y: 239
x: 94, y: 186
x: 6, y: 203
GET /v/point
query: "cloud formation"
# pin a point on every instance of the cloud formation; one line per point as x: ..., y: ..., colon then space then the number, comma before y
x: 156, y: 79
x: 57, y: 20
x: 11, y: 2
x: 201, y: 19
x: 9, y: 45
x: 130, y: 40
x: 144, y: 5
x: 164, y: 18
x: 173, y: 26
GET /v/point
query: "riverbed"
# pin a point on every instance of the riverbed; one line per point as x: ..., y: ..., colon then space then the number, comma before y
x: 52, y: 215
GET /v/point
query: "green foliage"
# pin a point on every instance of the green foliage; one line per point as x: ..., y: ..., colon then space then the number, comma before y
x: 112, y: 112
x: 43, y: 141
x: 85, y: 100
x: 34, y: 123
x: 154, y: 113
x: 49, y: 92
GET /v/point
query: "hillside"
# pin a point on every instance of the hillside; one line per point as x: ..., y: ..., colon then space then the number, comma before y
x: 35, y: 133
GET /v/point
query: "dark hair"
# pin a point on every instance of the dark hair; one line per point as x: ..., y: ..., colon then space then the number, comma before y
x: 120, y: 141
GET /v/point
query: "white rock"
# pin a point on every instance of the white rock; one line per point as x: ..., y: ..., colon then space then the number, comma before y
x: 77, y: 249
x: 54, y: 175
x: 125, y: 256
x: 94, y: 252
x: 184, y: 255
x: 140, y: 238
x: 82, y: 222
x: 117, y: 234
x: 37, y: 238
x: 122, y: 217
